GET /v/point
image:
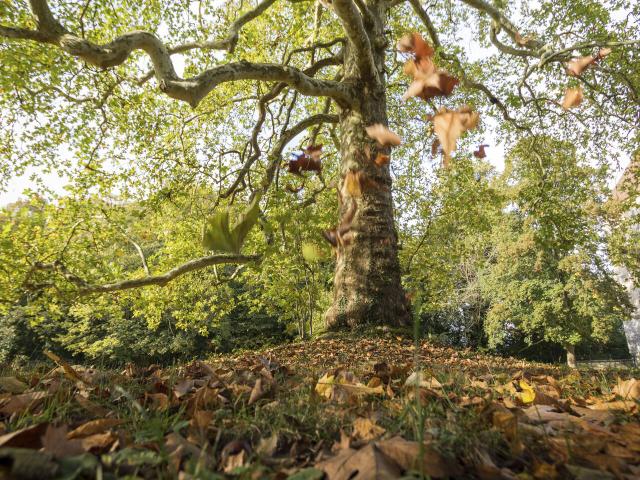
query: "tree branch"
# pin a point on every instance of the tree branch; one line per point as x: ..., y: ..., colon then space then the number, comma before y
x: 159, y: 280
x: 231, y: 40
x: 191, y: 90
x: 502, y: 21
x: 354, y: 28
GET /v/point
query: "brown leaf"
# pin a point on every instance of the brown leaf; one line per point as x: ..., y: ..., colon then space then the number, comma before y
x: 383, y: 135
x: 314, y: 152
x: 520, y: 40
x: 572, y: 98
x: 368, y: 463
x: 55, y: 442
x: 12, y: 385
x: 90, y: 406
x: 366, y: 429
x: 98, y: 442
x: 159, y: 401
x: 94, y: 426
x: 68, y: 369
x: 22, y: 403
x: 260, y: 390
x: 480, y: 153
x: 407, y: 455
x: 351, y: 185
x: 576, y: 66
x: 414, y: 43
x: 449, y: 125
x: 382, y: 159
x: 29, y: 437
x: 268, y: 446
x: 628, y: 389
x: 183, y: 387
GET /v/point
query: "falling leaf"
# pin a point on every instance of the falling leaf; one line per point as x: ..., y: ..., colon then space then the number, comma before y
x: 183, y: 387
x: 351, y: 185
x: 414, y: 43
x: 367, y: 463
x: 449, y: 125
x: 435, y: 145
x: 576, y: 66
x: 314, y: 151
x: 267, y: 446
x: 383, y: 135
x: 306, y: 163
x: 480, y: 153
x: 260, y: 389
x: 234, y: 455
x: 520, y: 40
x: 572, y: 98
x: 422, y: 380
x: 90, y: 406
x: 312, y: 252
x: 342, y: 235
x: 159, y: 401
x: 219, y: 235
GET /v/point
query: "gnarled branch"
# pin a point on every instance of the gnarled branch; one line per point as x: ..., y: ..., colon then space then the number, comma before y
x: 158, y: 280
x: 191, y: 90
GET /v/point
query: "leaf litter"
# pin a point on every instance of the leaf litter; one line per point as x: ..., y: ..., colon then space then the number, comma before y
x: 334, y: 408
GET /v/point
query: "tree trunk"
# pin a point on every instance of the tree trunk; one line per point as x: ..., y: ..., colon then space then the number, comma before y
x: 571, y: 355
x: 367, y: 287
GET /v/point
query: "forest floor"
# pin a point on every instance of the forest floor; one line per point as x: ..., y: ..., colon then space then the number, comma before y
x: 369, y: 407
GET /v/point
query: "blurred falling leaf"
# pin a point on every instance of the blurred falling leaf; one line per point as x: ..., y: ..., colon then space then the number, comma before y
x: 383, y: 135
x: 218, y: 235
x: 449, y: 125
x: 572, y: 98
x: 312, y: 252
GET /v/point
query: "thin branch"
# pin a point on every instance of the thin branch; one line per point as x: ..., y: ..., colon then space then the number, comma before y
x: 231, y: 40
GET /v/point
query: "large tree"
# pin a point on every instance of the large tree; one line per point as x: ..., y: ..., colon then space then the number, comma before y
x: 78, y: 96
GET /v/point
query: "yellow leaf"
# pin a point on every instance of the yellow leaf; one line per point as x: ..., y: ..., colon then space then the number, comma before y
x: 324, y: 386
x: 528, y: 394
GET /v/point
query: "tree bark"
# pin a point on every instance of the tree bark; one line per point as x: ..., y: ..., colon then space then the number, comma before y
x: 571, y: 356
x: 367, y: 286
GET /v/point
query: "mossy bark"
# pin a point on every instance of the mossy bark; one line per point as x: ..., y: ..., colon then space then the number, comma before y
x: 367, y: 284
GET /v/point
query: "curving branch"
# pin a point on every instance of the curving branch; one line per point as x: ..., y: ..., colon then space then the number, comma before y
x: 351, y: 20
x: 86, y: 288
x: 191, y: 90
x: 231, y: 40
x: 502, y: 22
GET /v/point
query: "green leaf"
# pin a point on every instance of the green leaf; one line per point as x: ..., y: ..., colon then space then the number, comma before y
x: 216, y: 235
x: 245, y: 223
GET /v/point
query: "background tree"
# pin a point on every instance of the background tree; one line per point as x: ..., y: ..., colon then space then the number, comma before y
x: 549, y: 277
x: 79, y: 95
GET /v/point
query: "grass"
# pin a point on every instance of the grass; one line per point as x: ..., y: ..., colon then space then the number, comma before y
x: 457, y: 418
